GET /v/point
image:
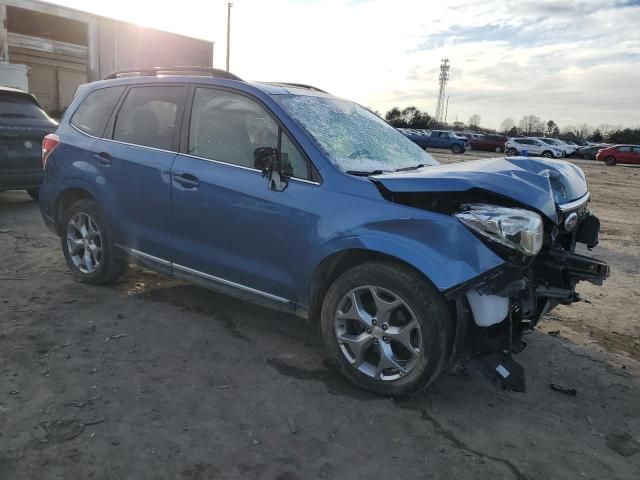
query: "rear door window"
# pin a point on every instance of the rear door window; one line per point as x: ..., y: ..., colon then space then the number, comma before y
x: 624, y: 149
x: 148, y: 116
x: 93, y: 113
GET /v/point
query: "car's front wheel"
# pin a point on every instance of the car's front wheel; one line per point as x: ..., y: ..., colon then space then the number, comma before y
x: 386, y: 327
x: 512, y: 151
x: 87, y: 246
x: 456, y: 148
x: 547, y: 154
x: 611, y: 161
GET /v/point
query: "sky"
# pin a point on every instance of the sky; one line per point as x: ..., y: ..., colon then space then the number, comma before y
x: 569, y: 61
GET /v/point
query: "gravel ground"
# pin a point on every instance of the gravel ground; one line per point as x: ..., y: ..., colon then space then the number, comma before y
x: 153, y: 378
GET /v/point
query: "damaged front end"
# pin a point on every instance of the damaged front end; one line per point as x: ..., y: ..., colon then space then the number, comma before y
x: 509, y: 301
x: 535, y: 236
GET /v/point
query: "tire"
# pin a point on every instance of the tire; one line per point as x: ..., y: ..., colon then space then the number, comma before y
x: 107, y: 268
x: 422, y: 306
x: 34, y: 193
x: 547, y: 154
x: 455, y: 148
x: 610, y: 160
x: 498, y: 149
x: 586, y: 156
x: 512, y: 152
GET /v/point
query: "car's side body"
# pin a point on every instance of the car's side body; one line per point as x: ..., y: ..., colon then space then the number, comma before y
x: 624, y: 154
x: 23, y: 125
x: 489, y: 143
x: 533, y: 146
x: 337, y: 215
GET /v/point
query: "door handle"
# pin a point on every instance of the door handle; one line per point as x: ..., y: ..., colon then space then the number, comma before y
x: 103, y: 158
x: 186, y: 180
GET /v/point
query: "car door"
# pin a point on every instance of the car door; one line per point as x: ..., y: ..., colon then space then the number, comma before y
x: 443, y: 140
x: 635, y: 155
x: 137, y: 155
x: 229, y: 227
x: 624, y: 154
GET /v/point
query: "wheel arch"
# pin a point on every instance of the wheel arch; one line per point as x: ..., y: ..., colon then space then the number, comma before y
x: 335, y: 264
x: 68, y: 197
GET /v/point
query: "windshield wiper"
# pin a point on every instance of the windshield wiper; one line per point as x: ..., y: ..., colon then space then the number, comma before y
x: 362, y: 173
x: 406, y: 169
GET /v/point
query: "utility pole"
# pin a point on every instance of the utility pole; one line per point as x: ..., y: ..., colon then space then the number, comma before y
x: 442, y: 80
x: 229, y: 5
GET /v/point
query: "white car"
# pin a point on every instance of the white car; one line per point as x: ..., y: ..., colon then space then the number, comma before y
x: 533, y: 146
x: 565, y: 148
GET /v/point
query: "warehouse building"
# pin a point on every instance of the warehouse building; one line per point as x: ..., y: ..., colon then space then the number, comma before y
x: 50, y: 50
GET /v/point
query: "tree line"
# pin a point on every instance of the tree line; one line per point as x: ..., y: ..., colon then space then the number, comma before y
x: 529, y: 125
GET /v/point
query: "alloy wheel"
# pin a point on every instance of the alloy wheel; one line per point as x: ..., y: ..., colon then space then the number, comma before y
x: 378, y: 333
x: 84, y: 242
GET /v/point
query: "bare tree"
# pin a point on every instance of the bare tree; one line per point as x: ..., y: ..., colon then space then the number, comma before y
x: 507, y: 125
x: 474, y: 121
x: 551, y: 127
x: 530, y: 124
x: 583, y: 130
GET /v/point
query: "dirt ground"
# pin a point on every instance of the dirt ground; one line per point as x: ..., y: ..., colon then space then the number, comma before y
x: 153, y: 378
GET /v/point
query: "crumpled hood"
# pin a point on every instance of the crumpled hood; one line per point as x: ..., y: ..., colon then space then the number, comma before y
x: 538, y: 183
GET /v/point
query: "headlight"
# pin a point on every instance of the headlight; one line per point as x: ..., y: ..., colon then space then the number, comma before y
x: 515, y: 228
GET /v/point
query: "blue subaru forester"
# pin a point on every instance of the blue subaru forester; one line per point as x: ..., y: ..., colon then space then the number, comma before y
x: 284, y: 195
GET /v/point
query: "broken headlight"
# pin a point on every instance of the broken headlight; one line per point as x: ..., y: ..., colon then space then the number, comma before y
x: 515, y: 228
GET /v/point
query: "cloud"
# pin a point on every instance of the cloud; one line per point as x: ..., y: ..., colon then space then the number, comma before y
x: 570, y: 61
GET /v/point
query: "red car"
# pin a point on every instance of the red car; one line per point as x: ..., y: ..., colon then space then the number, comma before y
x: 489, y: 143
x: 619, y: 154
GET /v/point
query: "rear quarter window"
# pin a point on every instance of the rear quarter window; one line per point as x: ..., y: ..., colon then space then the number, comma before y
x: 93, y: 113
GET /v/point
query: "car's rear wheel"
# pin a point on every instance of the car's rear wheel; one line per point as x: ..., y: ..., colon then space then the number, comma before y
x: 386, y: 327
x: 611, y: 161
x: 498, y: 149
x: 34, y: 193
x: 547, y: 154
x: 455, y: 148
x: 586, y: 156
x: 87, y: 246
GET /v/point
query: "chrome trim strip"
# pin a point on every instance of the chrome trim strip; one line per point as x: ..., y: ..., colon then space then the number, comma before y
x: 149, y: 257
x: 229, y: 283
x: 575, y: 204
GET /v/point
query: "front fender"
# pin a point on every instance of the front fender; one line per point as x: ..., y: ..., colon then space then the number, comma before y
x: 443, y: 249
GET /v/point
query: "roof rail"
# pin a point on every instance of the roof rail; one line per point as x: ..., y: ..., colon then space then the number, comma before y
x: 186, y: 70
x: 299, y: 85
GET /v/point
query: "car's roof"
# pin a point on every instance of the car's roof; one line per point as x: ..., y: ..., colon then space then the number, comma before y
x: 20, y: 93
x: 270, y: 88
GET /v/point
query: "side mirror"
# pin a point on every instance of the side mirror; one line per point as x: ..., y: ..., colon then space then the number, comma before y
x: 267, y: 159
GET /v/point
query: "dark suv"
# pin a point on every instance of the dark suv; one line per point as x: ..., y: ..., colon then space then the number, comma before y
x: 284, y: 195
x: 23, y: 125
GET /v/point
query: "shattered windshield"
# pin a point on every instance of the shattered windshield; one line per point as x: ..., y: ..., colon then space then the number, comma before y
x: 355, y: 139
